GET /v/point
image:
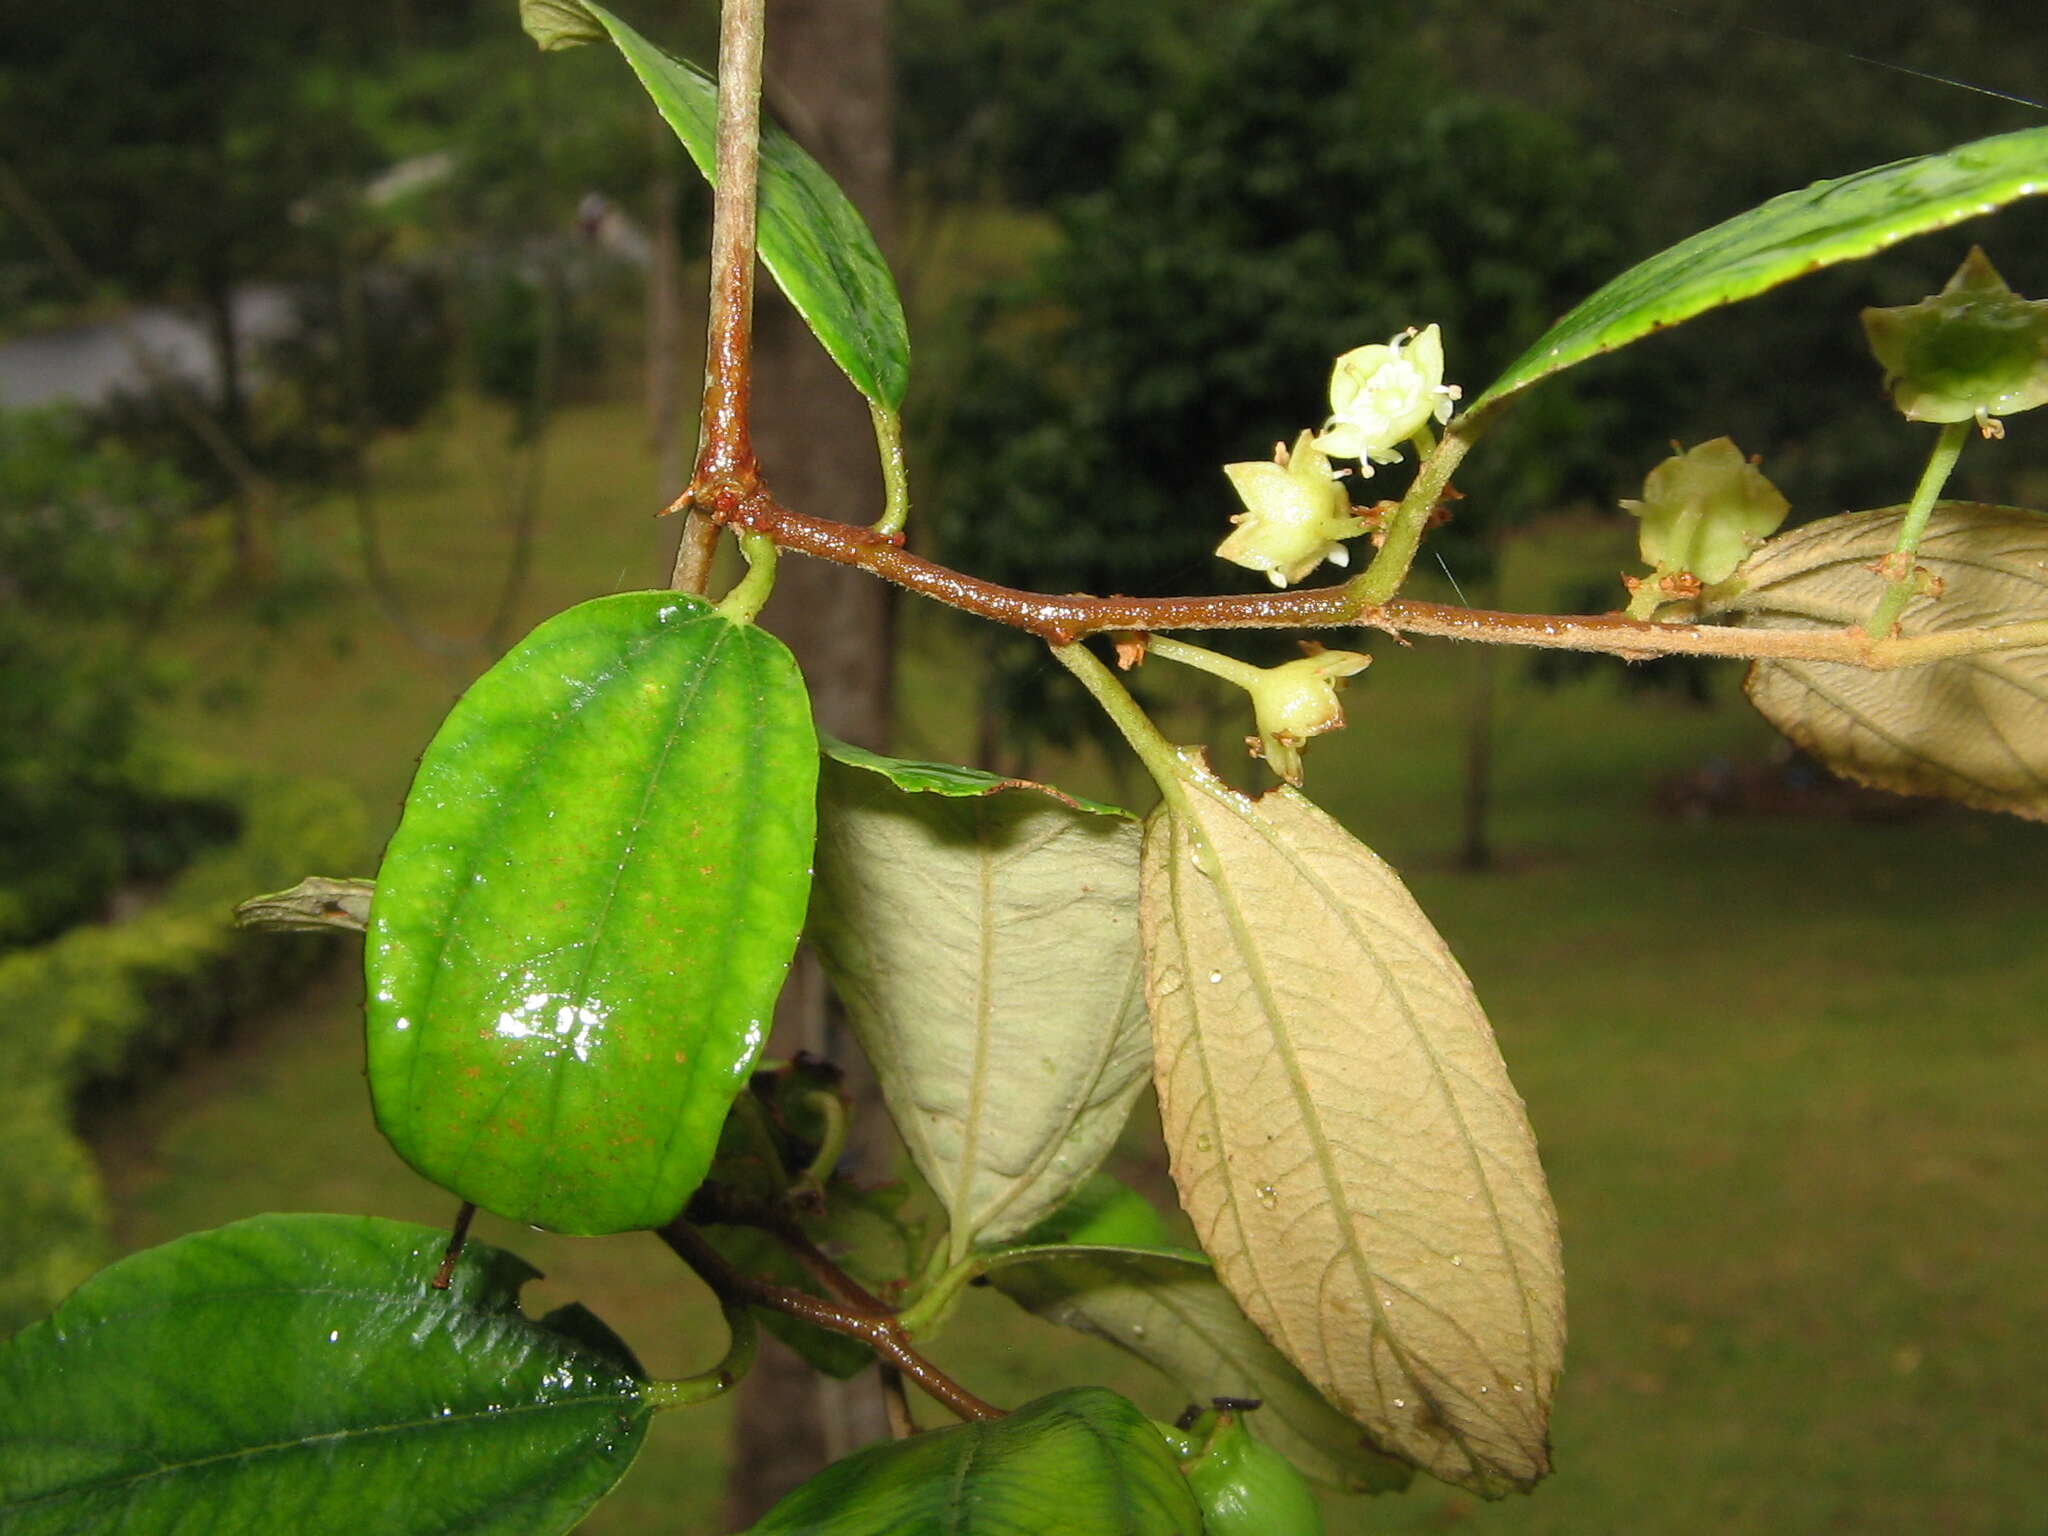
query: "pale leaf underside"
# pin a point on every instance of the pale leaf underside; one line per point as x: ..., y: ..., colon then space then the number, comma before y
x: 316, y: 904
x: 1169, y: 1311
x: 1344, y: 1135
x: 987, y: 951
x: 1973, y: 729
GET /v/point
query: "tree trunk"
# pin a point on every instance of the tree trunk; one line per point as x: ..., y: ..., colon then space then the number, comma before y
x: 255, y: 557
x: 665, y: 321
x: 222, y: 322
x: 828, y: 81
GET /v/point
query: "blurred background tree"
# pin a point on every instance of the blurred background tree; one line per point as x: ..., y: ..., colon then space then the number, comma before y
x: 419, y: 195
x: 1193, y: 300
x: 171, y: 146
x: 90, y: 539
x: 1297, y: 182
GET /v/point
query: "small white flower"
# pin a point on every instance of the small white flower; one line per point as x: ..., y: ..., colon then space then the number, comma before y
x: 1381, y: 396
x: 1296, y: 515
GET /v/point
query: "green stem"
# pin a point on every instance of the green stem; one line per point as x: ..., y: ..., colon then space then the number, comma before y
x: 1649, y: 596
x: 688, y: 1391
x: 1202, y: 659
x: 1160, y: 757
x: 753, y: 589
x: 930, y: 1309
x: 932, y: 1270
x: 1185, y: 1447
x: 895, y: 473
x: 1899, y: 591
x: 1382, y: 579
x: 832, y: 1145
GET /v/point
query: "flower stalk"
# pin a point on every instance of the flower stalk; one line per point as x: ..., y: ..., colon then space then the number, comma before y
x: 1898, y: 565
x: 1383, y: 578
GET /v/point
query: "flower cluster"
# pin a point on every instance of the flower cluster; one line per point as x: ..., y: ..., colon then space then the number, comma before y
x: 1296, y: 512
x: 1297, y: 515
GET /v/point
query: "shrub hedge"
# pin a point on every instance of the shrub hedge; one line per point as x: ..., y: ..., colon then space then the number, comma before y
x: 106, y: 1007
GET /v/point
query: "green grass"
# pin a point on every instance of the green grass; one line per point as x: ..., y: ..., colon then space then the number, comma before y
x: 1786, y: 1075
x: 330, y: 687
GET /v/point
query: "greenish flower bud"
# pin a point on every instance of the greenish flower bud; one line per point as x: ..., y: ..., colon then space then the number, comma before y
x: 1295, y: 517
x: 1298, y: 700
x: 1974, y: 350
x: 1704, y: 512
x: 1249, y: 1489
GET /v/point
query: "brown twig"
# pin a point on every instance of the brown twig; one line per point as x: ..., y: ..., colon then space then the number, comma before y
x: 1061, y: 620
x: 725, y: 451
x: 823, y: 1270
x: 874, y: 1326
x: 716, y: 1204
x: 726, y: 490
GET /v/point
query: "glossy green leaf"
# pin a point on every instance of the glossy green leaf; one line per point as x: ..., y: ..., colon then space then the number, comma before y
x: 1082, y: 1462
x: 950, y: 778
x: 986, y: 948
x: 299, y: 1374
x: 1166, y: 1307
x: 811, y: 238
x: 1789, y: 236
x: 1973, y: 729
x: 1246, y: 1488
x: 1343, y: 1133
x: 582, y: 922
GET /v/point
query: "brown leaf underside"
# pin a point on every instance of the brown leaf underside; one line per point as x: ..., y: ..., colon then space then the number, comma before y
x: 1344, y: 1134
x: 1973, y: 730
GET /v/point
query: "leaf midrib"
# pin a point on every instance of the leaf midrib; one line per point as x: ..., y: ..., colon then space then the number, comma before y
x: 1352, y: 1247
x: 304, y: 1443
